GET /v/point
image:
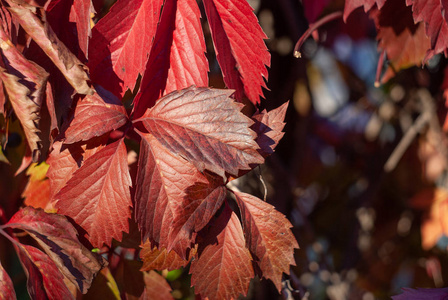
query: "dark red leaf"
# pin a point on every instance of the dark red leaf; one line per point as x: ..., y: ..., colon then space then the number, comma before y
x: 44, y: 279
x: 313, y: 8
x: 430, y: 12
x: 269, y: 126
x: 72, y: 69
x: 6, y: 285
x: 94, y: 116
x: 25, y: 83
x: 420, y: 294
x: 173, y: 199
x: 155, y: 284
x: 268, y: 236
x: 59, y: 239
x: 177, y: 59
x: 129, y: 278
x: 121, y: 42
x: 239, y: 45
x: 206, y: 127
x: 97, y: 196
x: 351, y: 5
x: 155, y: 259
x: 224, y: 268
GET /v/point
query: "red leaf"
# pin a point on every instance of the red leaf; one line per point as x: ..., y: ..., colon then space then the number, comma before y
x: 313, y: 8
x: 6, y: 285
x: 239, y: 46
x: 269, y: 126
x: 94, y: 116
x: 173, y: 199
x: 72, y: 69
x: 121, y: 42
x: 224, y: 268
x: 418, y: 294
x: 206, y: 127
x: 37, y: 190
x: 405, y: 43
x: 430, y: 12
x: 155, y: 259
x: 97, y: 196
x: 268, y: 237
x: 44, y: 279
x: 351, y: 5
x: 59, y: 239
x: 25, y: 83
x: 177, y: 58
x: 155, y: 284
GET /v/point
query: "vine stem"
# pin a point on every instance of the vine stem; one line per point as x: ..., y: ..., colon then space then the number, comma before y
x: 313, y: 27
x: 6, y: 235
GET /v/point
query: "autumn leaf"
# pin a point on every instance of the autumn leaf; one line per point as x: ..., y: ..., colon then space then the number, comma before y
x: 404, y: 42
x: 155, y: 284
x: 59, y: 239
x: 313, y: 8
x: 432, y: 14
x: 37, y: 190
x: 25, y: 83
x: 155, y: 259
x: 418, y: 294
x: 72, y: 69
x: 129, y: 278
x: 121, y: 43
x: 94, y: 116
x: 97, y: 196
x: 44, y: 279
x: 224, y: 268
x: 177, y: 59
x: 351, y: 5
x: 206, y: 127
x: 268, y: 236
x: 6, y: 285
x: 269, y: 126
x: 239, y: 46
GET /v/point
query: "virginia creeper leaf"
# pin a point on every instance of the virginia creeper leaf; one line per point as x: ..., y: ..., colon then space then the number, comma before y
x: 417, y: 294
x: 121, y: 42
x: 268, y: 236
x: 351, y: 5
x: 129, y: 278
x: 430, y: 12
x: 164, y: 205
x: 155, y: 284
x: 269, y: 126
x: 59, y: 239
x: 44, y: 279
x: 224, y: 268
x: 206, y: 127
x: 25, y: 83
x: 97, y: 196
x: 160, y: 259
x: 6, y: 285
x: 405, y: 43
x: 239, y: 46
x: 37, y: 190
x: 177, y: 59
x: 72, y: 69
x: 94, y: 116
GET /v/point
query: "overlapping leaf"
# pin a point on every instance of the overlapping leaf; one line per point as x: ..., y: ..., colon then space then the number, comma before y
x: 25, y: 83
x: 97, y: 196
x: 177, y: 59
x: 239, y: 45
x: 269, y: 126
x: 6, y: 285
x: 59, y: 239
x: 432, y: 13
x: 37, y: 190
x: 72, y: 69
x: 94, y: 116
x: 155, y: 259
x: 121, y: 42
x: 351, y: 5
x: 224, y: 268
x: 155, y: 284
x: 268, y: 236
x: 44, y: 279
x: 206, y: 127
